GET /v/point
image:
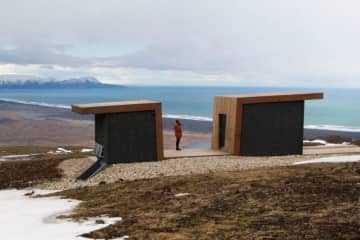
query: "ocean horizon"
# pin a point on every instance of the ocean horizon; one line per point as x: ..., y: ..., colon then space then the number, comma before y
x: 338, y: 111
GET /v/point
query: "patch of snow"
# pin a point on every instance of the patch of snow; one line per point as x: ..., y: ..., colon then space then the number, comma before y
x: 323, y: 142
x: 337, y: 159
x: 18, y: 157
x: 181, y: 194
x: 84, y: 150
x: 63, y: 150
x: 36, y: 217
x: 60, y: 151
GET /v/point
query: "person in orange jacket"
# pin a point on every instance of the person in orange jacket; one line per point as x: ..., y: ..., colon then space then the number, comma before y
x: 178, y: 133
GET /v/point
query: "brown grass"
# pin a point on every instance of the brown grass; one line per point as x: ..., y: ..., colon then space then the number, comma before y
x: 300, y: 202
x: 336, y: 139
x: 357, y: 142
x: 27, y: 173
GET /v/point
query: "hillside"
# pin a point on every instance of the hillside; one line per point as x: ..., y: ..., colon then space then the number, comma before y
x: 24, y: 82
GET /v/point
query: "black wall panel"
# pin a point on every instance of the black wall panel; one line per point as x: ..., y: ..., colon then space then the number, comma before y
x: 132, y: 137
x: 129, y: 136
x: 100, y: 128
x: 272, y: 129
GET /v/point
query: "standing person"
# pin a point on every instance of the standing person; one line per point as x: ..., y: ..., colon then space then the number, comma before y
x: 178, y: 133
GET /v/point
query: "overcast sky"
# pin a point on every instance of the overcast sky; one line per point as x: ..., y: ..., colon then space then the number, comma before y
x: 259, y: 42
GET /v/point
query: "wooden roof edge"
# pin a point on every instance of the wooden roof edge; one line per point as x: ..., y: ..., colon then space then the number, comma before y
x: 109, y: 107
x: 275, y: 97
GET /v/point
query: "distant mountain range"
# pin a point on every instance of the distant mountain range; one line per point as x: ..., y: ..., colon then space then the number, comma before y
x: 8, y: 81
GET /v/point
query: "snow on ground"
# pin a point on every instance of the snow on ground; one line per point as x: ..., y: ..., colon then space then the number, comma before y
x: 18, y: 157
x: 337, y: 159
x: 323, y: 142
x: 86, y: 150
x: 23, y: 217
x: 60, y: 151
x: 182, y: 194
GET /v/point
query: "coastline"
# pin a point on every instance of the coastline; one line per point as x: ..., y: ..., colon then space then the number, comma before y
x: 169, y: 181
x: 53, y: 126
x: 30, y: 124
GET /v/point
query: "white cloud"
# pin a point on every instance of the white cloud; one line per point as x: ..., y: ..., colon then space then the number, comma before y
x: 305, y: 43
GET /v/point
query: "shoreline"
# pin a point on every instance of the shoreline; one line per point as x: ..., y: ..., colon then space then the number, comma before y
x: 53, y: 126
x: 195, y: 123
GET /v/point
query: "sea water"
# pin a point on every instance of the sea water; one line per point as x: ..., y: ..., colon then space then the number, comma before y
x: 339, y: 110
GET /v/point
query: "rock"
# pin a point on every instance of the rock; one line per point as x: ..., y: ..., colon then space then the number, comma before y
x: 29, y: 193
x: 99, y: 221
x: 102, y: 182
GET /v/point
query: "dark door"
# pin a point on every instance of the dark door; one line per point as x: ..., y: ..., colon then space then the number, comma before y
x: 222, y: 128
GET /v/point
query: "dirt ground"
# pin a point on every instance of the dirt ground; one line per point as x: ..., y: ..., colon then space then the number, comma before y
x: 314, y: 201
x: 300, y: 202
x: 16, y: 129
x: 28, y: 173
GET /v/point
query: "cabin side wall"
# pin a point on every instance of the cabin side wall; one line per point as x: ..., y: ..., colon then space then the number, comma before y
x: 228, y: 107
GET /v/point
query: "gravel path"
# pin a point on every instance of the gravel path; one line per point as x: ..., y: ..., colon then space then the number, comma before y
x: 173, y: 167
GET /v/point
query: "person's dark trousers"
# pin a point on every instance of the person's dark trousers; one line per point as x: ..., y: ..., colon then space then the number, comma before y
x: 177, y: 143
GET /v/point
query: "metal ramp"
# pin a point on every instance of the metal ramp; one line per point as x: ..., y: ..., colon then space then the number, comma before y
x: 94, y: 169
x: 98, y: 166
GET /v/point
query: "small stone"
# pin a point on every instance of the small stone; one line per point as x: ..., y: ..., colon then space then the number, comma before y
x: 29, y: 193
x: 99, y: 221
x: 102, y: 182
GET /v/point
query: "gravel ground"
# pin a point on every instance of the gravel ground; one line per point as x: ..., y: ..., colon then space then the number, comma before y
x: 173, y: 167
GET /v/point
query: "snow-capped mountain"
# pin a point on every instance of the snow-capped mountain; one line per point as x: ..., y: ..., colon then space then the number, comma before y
x: 22, y: 81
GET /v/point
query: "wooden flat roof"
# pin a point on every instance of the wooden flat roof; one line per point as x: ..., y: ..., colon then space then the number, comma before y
x: 275, y: 97
x: 113, y: 107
